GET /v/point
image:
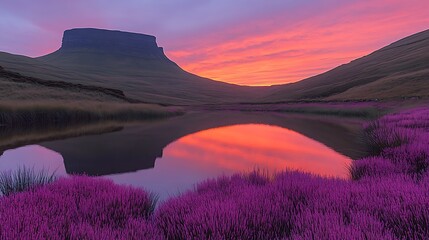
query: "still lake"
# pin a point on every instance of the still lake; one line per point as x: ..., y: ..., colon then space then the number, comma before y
x: 170, y: 156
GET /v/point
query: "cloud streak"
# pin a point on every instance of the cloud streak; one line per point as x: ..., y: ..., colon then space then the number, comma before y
x: 242, y: 42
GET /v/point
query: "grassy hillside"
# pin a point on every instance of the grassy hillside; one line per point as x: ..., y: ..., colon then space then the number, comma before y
x: 400, y: 70
x: 395, y: 71
x: 28, y: 101
x: 141, y: 79
x: 17, y: 87
x: 151, y: 80
x: 27, y: 115
x: 146, y: 75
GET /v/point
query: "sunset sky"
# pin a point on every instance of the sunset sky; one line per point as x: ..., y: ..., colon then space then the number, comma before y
x: 247, y: 42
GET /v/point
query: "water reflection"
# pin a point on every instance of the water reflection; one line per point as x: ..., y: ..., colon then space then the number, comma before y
x: 243, y: 147
x: 33, y: 156
x: 134, y: 148
x: 171, y: 155
x: 185, y: 161
x: 227, y: 150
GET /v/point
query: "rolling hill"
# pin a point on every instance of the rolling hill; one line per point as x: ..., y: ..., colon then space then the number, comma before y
x: 17, y: 87
x: 133, y: 63
x: 130, y: 62
x: 398, y: 70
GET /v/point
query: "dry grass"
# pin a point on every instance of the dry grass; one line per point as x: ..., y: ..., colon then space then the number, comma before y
x: 342, y: 109
x: 22, y: 114
x: 408, y: 85
x: 395, y: 71
x: 20, y: 91
x: 23, y: 179
x: 139, y: 78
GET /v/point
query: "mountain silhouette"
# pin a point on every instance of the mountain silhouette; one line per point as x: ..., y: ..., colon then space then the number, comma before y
x: 134, y: 64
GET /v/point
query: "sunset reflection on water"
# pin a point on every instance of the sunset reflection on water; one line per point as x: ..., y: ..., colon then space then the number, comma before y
x: 207, y: 154
x: 245, y: 147
x: 235, y: 149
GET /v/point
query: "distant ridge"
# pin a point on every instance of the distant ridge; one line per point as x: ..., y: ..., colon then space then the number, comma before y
x: 130, y: 62
x: 134, y: 64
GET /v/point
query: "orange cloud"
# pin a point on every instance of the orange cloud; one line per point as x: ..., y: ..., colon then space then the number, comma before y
x: 280, y: 52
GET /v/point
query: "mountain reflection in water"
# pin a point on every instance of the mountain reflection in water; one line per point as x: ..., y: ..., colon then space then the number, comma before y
x: 170, y: 156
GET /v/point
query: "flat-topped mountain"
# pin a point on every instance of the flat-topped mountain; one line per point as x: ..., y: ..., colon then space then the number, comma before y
x: 111, y: 42
x: 134, y: 64
x: 130, y: 62
x: 106, y: 42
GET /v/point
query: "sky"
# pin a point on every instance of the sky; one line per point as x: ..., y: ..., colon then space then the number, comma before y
x: 246, y: 42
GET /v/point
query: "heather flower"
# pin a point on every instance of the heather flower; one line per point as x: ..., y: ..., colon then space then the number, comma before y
x: 79, y: 207
x: 387, y: 198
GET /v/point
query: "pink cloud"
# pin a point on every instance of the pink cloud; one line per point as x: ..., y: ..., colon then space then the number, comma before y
x: 248, y: 42
x: 290, y: 52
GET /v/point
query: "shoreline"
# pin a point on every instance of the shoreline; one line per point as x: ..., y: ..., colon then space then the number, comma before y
x: 291, y: 204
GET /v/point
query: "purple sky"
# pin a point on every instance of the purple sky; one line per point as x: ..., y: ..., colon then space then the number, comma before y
x: 252, y: 42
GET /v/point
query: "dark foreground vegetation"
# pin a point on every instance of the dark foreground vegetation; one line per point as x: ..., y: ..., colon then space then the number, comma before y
x: 23, y: 114
x: 23, y: 179
x: 387, y: 198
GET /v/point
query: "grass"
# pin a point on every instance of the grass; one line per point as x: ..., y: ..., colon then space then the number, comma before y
x: 16, y: 89
x: 22, y: 114
x: 387, y: 198
x: 343, y: 109
x: 23, y: 179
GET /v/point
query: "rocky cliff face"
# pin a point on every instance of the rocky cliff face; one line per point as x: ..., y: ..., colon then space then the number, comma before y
x: 111, y: 42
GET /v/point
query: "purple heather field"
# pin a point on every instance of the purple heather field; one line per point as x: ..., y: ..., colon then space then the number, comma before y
x: 386, y: 198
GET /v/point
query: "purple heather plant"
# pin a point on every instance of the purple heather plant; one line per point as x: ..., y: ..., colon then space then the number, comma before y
x: 77, y: 208
x: 387, y: 198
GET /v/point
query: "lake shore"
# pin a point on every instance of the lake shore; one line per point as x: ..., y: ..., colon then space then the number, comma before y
x: 385, y: 198
x: 24, y: 114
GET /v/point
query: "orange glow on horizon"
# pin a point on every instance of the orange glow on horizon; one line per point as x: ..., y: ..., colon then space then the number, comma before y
x: 278, y: 54
x: 241, y: 42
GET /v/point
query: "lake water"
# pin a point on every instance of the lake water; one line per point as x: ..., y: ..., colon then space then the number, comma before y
x: 170, y: 156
